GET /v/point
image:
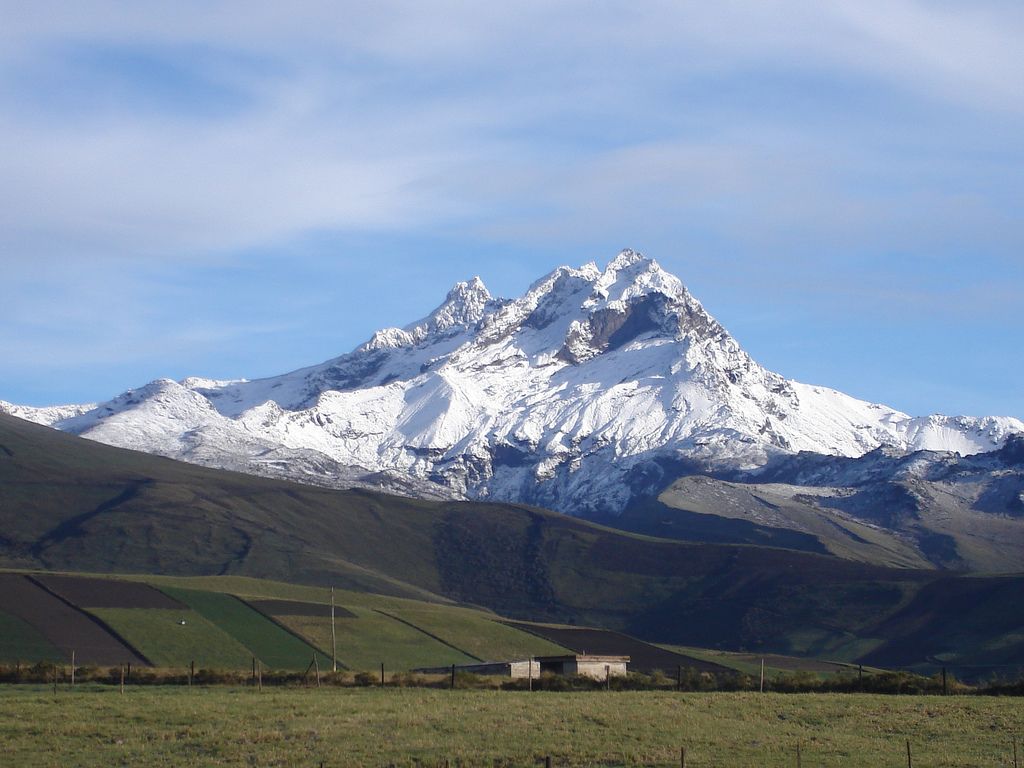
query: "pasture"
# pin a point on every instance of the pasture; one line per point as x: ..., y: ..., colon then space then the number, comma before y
x: 97, y: 726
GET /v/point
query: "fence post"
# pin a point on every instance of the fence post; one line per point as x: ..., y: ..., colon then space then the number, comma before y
x: 259, y: 676
x: 382, y: 674
x: 122, y: 678
x: 1015, y: 752
x: 451, y: 685
x: 316, y: 664
x: 762, y: 674
x: 798, y: 756
x: 72, y: 669
x: 910, y: 759
x: 682, y: 757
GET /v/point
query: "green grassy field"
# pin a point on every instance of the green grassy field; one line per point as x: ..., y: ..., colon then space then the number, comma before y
x: 406, y: 727
x: 167, y: 643
x: 22, y: 642
x: 275, y: 647
x: 476, y: 634
x: 370, y: 639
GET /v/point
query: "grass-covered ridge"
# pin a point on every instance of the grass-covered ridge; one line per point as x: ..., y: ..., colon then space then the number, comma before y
x: 71, y: 504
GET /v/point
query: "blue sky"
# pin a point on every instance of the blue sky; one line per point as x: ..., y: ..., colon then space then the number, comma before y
x: 241, y: 189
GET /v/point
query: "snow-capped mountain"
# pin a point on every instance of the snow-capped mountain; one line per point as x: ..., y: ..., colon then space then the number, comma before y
x: 590, y: 388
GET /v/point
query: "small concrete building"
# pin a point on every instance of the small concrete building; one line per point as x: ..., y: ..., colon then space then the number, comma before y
x: 598, y: 667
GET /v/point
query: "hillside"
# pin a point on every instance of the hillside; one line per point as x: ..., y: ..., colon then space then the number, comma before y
x: 72, y: 504
x: 922, y: 510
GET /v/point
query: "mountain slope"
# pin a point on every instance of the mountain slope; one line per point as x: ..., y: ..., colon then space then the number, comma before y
x: 594, y: 388
x: 75, y: 505
x: 922, y: 509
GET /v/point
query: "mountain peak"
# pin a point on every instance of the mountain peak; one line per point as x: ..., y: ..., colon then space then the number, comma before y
x: 465, y: 304
x: 627, y: 257
x: 631, y: 274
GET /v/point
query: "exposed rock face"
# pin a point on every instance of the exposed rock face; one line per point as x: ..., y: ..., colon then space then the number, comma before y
x: 585, y: 391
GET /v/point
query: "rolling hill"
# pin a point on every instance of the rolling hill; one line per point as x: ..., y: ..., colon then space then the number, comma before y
x: 75, y: 505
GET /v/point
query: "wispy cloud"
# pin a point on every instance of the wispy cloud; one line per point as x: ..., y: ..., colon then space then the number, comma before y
x: 766, y: 136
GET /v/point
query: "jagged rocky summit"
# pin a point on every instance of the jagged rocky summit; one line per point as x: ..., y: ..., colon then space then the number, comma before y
x: 594, y: 387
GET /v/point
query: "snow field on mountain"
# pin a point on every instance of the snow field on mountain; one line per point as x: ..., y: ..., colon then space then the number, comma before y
x: 573, y: 395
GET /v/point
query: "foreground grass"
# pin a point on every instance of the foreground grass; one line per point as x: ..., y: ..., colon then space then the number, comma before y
x: 405, y: 727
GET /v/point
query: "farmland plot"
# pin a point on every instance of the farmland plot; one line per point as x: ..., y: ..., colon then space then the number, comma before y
x: 275, y: 646
x: 372, y: 638
x: 63, y: 626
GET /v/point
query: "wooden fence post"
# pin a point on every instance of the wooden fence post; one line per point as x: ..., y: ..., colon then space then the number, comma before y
x: 122, y: 678
x: 452, y: 684
x: 682, y: 757
x: 72, y: 669
x: 191, y: 672
x: 945, y: 689
x: 55, y: 679
x: 1015, y: 752
x: 316, y: 664
x: 382, y: 674
x: 798, y: 756
x: 762, y: 674
x: 910, y: 759
x: 679, y: 677
x: 259, y: 676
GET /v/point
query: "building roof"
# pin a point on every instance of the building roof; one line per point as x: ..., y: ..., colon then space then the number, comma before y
x: 583, y: 657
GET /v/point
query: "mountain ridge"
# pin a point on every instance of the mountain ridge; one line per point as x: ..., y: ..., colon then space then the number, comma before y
x: 588, y: 391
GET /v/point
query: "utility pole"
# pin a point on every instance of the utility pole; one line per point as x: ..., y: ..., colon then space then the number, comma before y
x: 334, y: 637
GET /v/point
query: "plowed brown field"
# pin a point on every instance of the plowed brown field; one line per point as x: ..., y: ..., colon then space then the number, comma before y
x: 90, y: 592
x: 66, y: 627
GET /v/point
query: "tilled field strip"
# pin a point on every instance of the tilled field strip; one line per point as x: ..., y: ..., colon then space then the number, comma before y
x: 89, y: 592
x: 643, y: 657
x: 63, y: 625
